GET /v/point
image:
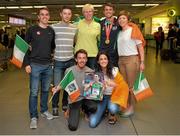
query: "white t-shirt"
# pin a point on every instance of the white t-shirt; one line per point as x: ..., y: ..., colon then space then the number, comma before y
x: 127, y: 46
x: 109, y: 89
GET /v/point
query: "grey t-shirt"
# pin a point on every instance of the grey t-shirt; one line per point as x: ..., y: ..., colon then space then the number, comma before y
x: 79, y: 75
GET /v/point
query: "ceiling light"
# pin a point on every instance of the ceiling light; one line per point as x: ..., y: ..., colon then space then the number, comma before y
x: 26, y: 7
x: 80, y: 6
x: 97, y: 6
x: 151, y: 5
x: 12, y: 7
x: 137, y: 5
x: 39, y: 6
x: 2, y: 7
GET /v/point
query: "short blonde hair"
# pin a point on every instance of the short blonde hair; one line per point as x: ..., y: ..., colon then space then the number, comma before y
x: 87, y: 7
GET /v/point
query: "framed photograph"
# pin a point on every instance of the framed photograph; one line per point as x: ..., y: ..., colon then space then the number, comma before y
x: 93, y: 85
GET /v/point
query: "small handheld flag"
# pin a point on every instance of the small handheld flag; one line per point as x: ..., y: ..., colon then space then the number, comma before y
x: 68, y: 83
x: 19, y: 51
x: 141, y: 88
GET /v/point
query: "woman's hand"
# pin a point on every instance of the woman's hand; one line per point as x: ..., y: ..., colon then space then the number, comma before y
x: 141, y: 55
x: 142, y: 66
x: 110, y: 83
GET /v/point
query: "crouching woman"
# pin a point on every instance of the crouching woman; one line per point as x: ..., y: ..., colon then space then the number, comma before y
x: 115, y: 94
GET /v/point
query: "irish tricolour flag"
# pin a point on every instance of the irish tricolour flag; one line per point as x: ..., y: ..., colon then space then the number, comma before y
x: 20, y: 48
x: 141, y: 88
x: 68, y: 83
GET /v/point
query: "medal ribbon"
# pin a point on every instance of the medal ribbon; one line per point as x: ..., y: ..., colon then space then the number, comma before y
x: 108, y: 30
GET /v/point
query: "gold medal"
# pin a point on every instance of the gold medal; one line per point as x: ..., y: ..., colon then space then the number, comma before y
x: 108, y: 31
x: 107, y: 41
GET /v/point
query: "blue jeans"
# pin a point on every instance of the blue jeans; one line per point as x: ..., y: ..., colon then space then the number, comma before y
x: 39, y: 74
x: 59, y: 70
x: 113, y: 108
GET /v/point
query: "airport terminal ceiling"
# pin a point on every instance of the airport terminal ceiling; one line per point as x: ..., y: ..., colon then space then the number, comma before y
x: 22, y: 9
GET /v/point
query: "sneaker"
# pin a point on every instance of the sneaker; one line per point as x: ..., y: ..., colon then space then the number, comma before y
x: 55, y: 112
x: 127, y: 113
x: 33, y: 123
x: 47, y: 115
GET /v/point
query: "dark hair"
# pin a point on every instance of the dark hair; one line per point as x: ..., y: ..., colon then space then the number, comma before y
x: 109, y: 5
x: 160, y: 28
x: 81, y: 51
x: 44, y: 8
x: 109, y: 65
x: 125, y: 13
x: 65, y: 7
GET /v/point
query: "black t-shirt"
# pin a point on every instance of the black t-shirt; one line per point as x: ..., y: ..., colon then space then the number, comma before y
x: 42, y: 42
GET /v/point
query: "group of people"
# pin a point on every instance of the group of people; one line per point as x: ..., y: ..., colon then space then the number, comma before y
x: 173, y: 38
x: 114, y: 48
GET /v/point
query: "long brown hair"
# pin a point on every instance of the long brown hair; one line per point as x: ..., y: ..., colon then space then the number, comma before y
x: 109, y: 65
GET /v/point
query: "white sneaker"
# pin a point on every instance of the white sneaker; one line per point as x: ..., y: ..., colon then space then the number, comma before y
x: 128, y: 112
x: 33, y: 123
x: 47, y: 115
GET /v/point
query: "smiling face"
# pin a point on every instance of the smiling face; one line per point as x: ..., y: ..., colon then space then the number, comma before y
x: 66, y: 15
x: 103, y: 61
x: 43, y: 16
x: 108, y: 11
x: 81, y: 60
x: 123, y: 21
x: 88, y: 14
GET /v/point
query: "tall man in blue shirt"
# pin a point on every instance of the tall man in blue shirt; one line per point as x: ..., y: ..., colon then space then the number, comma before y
x: 109, y: 31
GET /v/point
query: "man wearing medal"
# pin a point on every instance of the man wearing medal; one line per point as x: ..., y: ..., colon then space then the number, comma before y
x: 109, y: 31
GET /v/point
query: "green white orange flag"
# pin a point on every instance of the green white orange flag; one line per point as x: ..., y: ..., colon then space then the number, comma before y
x: 141, y: 88
x: 20, y: 48
x: 68, y: 83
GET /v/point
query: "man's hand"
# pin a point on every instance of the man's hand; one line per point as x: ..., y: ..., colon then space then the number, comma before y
x: 28, y: 69
x: 55, y: 89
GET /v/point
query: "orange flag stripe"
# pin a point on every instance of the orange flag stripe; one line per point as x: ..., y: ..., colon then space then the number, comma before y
x: 74, y: 95
x: 144, y: 94
x: 121, y: 92
x: 16, y: 62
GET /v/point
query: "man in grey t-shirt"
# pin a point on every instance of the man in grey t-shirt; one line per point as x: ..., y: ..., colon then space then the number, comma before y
x: 88, y: 106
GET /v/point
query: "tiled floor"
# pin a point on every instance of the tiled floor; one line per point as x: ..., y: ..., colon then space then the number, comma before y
x: 159, y: 114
